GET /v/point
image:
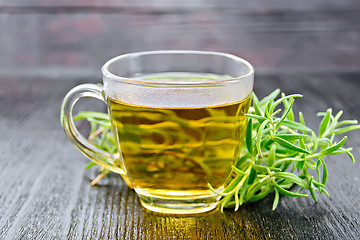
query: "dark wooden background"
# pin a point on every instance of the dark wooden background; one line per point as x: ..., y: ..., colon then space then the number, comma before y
x: 48, y: 47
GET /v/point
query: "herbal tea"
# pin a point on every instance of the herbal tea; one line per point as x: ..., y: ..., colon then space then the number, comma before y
x: 178, y: 119
x: 177, y: 151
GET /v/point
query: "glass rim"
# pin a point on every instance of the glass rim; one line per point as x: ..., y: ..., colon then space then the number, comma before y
x: 107, y: 73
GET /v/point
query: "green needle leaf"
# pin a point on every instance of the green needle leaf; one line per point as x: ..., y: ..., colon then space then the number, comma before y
x: 275, y: 113
x: 286, y: 192
x: 252, y: 176
x: 238, y: 171
x: 256, y: 104
x: 270, y: 97
x: 260, y: 168
x: 346, y: 122
x: 290, y: 115
x: 259, y: 136
x: 262, y: 194
x: 289, y: 145
x: 272, y: 155
x: 295, y: 126
x: 285, y: 113
x: 291, y: 137
x: 324, y: 123
x: 351, y: 156
x: 300, y: 164
x: 341, y: 151
x: 276, y: 199
x: 282, y: 99
x: 312, y: 190
x: 249, y: 140
x: 301, y: 118
x: 338, y: 115
x: 292, y: 177
x: 268, y: 112
x: 324, y: 174
x: 346, y: 129
x: 335, y: 147
x: 259, y: 118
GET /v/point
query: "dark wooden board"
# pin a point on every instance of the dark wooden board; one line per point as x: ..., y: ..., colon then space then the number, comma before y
x: 46, y: 193
x: 48, y: 47
x: 77, y: 41
x: 187, y: 4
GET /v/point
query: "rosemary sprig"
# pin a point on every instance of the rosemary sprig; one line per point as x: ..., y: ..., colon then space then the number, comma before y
x: 100, y: 136
x: 280, y: 152
x: 277, y: 154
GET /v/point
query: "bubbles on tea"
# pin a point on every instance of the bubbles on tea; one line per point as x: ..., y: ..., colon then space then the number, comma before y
x: 177, y: 90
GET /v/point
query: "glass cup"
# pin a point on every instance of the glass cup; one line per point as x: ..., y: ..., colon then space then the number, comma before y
x: 178, y: 118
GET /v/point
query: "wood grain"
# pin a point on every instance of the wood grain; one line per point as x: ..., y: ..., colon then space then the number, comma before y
x: 46, y: 192
x: 48, y: 47
x: 67, y: 41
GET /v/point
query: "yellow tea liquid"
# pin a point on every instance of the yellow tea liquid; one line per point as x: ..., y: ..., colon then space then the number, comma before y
x: 179, y: 149
x: 176, y: 152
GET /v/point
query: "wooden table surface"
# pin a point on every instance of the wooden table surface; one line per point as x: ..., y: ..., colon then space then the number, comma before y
x: 48, y: 47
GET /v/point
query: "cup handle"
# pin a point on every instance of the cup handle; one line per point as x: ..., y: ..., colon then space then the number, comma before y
x: 95, y: 154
